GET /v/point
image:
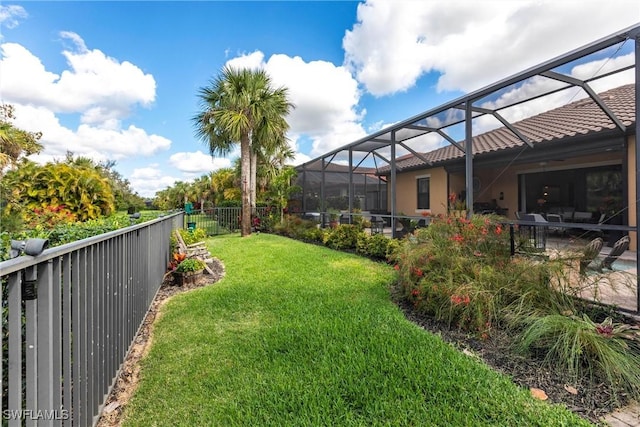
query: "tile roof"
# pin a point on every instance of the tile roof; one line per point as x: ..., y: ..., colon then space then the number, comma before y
x: 582, y: 117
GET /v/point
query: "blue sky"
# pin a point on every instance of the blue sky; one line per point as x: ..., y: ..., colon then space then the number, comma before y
x: 119, y: 80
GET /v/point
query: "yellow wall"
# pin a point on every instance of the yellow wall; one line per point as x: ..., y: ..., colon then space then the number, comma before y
x: 407, y: 191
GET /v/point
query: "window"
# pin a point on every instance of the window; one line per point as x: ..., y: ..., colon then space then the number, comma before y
x: 423, y: 193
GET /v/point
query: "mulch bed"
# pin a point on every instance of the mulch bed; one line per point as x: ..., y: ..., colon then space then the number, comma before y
x: 592, y: 401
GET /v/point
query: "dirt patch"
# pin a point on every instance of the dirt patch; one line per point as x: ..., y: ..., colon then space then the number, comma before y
x: 586, y: 397
x: 127, y: 380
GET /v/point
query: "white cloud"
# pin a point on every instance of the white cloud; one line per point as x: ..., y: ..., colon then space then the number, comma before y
x: 100, y: 87
x: 325, y: 96
x: 198, y: 162
x: 99, y: 143
x: 148, y: 180
x: 470, y: 44
x: 10, y: 16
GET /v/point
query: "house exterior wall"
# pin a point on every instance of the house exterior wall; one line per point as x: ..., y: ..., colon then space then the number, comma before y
x: 493, y: 182
x: 407, y: 191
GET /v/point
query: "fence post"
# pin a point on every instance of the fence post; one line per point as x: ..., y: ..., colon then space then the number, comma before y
x: 512, y: 237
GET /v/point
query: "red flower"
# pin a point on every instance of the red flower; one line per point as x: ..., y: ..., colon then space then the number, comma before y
x: 460, y: 299
x: 498, y: 229
x: 457, y: 238
x: 396, y: 267
x: 418, y: 272
x: 415, y: 292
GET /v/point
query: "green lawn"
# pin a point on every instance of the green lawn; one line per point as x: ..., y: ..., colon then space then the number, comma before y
x: 300, y: 335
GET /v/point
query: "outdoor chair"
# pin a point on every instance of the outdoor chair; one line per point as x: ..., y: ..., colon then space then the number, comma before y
x: 590, y: 252
x: 377, y: 225
x: 618, y: 249
x: 556, y: 218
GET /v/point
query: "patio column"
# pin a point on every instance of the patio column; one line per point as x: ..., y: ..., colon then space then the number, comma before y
x: 323, y: 204
x: 392, y: 193
x: 468, y: 156
x: 350, y: 183
x: 637, y: 151
x: 304, y: 188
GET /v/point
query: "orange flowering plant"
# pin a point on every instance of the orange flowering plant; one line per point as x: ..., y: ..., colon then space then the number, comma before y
x: 459, y: 270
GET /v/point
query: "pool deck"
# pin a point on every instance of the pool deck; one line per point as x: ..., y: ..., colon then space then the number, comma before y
x: 618, y: 287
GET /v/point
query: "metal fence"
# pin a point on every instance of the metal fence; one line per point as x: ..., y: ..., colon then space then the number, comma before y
x: 69, y: 318
x: 218, y: 221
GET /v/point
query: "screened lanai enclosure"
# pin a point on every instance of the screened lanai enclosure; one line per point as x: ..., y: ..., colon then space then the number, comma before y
x: 470, y: 145
x: 325, y: 187
x: 559, y: 136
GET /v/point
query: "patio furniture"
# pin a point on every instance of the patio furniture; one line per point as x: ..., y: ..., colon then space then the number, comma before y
x: 582, y: 216
x: 556, y: 218
x: 534, y: 236
x: 377, y: 225
x: 618, y: 249
x: 590, y: 252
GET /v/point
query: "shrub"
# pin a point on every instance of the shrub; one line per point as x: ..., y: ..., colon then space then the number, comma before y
x: 295, y: 227
x: 460, y: 271
x: 342, y: 237
x: 190, y: 265
x: 192, y: 236
x: 314, y: 234
x: 375, y: 246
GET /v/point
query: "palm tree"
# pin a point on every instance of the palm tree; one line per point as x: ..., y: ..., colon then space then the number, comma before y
x: 224, y: 184
x: 241, y: 106
x: 269, y: 141
x: 202, y: 189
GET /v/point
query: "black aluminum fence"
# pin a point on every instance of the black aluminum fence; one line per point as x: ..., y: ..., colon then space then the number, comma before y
x: 218, y: 221
x: 70, y: 316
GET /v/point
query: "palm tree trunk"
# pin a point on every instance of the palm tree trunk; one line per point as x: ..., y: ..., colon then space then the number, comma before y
x: 254, y: 179
x: 245, y: 178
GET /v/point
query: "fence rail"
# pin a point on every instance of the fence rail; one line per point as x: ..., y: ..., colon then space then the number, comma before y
x: 69, y: 318
x: 218, y: 221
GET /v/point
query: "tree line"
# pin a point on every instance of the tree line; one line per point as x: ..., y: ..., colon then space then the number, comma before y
x: 74, y: 188
x: 238, y: 107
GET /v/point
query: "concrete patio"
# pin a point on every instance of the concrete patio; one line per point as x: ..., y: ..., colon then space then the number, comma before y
x: 616, y: 287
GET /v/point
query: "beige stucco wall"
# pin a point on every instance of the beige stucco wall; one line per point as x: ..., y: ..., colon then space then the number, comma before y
x: 407, y: 191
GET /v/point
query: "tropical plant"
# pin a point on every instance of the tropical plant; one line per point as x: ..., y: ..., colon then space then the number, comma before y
x: 15, y: 143
x: 282, y: 187
x: 241, y: 106
x: 202, y: 189
x: 84, y: 192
